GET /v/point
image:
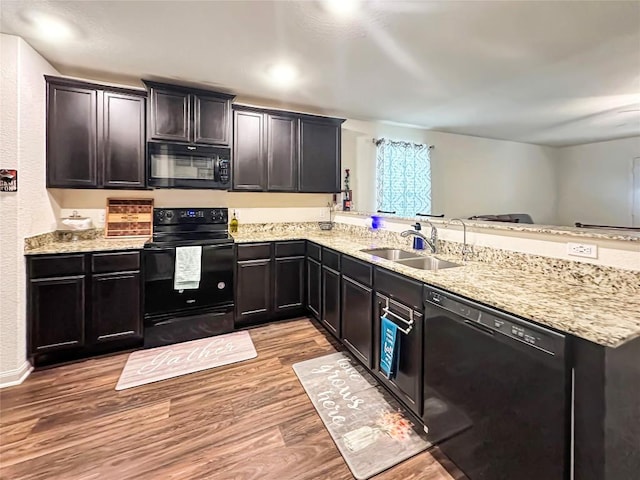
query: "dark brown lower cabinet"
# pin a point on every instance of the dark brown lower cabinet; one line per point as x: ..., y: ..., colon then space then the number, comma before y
x: 83, y: 304
x: 269, y: 281
x: 253, y: 291
x: 407, y: 382
x: 314, y: 287
x: 57, y: 314
x: 331, y: 300
x: 116, y: 307
x: 357, y: 303
x: 289, y: 284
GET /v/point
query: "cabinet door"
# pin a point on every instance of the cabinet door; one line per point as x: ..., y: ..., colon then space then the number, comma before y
x: 211, y: 120
x: 356, y: 319
x: 249, y: 165
x: 319, y: 155
x: 123, y: 147
x: 314, y: 287
x: 57, y: 313
x: 72, y: 135
x: 331, y: 300
x: 408, y: 381
x: 289, y: 284
x: 282, y: 153
x: 116, y: 307
x: 253, y: 291
x: 169, y: 115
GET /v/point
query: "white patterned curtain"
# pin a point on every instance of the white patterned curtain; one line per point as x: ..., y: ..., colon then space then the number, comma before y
x: 403, y: 177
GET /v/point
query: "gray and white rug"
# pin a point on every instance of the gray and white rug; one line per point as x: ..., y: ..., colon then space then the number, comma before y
x: 161, y: 363
x: 368, y: 425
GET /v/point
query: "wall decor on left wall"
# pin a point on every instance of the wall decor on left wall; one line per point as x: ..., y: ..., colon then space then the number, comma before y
x: 8, y: 180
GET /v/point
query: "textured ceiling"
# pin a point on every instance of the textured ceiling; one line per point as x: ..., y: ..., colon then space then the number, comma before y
x: 554, y: 73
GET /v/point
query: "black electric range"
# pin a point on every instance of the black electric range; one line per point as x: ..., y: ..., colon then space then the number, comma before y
x: 174, y: 313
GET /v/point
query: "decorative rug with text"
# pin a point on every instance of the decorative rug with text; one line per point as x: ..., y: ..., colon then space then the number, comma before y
x: 368, y: 425
x: 161, y: 363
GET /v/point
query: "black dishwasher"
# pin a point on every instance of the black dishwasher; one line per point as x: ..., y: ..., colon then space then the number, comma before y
x: 496, y: 391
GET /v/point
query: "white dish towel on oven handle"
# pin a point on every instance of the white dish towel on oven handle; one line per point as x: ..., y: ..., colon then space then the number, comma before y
x: 188, y: 268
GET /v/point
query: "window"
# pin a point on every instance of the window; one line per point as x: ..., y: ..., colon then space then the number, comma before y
x: 403, y: 177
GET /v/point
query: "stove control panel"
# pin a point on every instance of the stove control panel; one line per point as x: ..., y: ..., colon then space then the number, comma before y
x: 177, y: 216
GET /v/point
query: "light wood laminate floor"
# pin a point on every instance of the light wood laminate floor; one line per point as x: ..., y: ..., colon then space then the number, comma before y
x: 249, y: 420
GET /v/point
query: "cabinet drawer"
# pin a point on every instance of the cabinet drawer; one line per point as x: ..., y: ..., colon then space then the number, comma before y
x: 399, y: 288
x: 314, y: 251
x: 56, y: 265
x: 331, y: 259
x: 254, y: 251
x: 115, y: 262
x: 289, y: 249
x: 358, y: 270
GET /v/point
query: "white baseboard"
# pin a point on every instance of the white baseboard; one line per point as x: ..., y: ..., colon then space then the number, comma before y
x: 16, y: 376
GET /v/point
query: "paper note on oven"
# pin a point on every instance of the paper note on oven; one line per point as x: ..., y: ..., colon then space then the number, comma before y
x: 188, y: 268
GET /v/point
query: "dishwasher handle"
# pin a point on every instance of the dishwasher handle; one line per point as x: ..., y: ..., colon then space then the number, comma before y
x: 492, y: 322
x: 464, y: 311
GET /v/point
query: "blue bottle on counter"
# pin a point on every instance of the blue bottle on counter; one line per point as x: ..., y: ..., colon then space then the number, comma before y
x: 418, y: 243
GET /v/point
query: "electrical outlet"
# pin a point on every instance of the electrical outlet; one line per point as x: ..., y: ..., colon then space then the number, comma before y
x: 102, y: 217
x: 582, y: 250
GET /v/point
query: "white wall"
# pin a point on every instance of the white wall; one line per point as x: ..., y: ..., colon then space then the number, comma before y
x: 31, y: 210
x: 596, y: 182
x: 470, y: 175
x: 250, y: 207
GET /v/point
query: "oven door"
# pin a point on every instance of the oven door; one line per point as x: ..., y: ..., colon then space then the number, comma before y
x: 188, y: 166
x: 215, y: 289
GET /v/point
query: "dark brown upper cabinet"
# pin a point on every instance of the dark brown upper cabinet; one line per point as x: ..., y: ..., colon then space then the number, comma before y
x: 268, y: 149
x: 169, y: 115
x: 187, y: 115
x: 72, y: 135
x: 123, y: 147
x: 95, y: 135
x: 249, y: 160
x: 282, y: 152
x: 320, y: 144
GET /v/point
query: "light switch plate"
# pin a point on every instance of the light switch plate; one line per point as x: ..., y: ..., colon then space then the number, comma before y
x: 582, y: 250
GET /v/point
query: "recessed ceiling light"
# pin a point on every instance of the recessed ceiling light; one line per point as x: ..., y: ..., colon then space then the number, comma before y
x: 342, y: 9
x: 283, y: 74
x: 51, y: 28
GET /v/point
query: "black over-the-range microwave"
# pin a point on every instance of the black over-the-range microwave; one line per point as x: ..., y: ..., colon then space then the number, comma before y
x: 173, y: 165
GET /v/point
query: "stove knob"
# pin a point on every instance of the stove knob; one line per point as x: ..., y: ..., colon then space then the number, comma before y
x: 169, y: 214
x: 160, y: 215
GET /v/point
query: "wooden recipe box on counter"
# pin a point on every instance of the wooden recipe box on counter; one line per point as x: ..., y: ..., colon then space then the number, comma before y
x: 129, y: 217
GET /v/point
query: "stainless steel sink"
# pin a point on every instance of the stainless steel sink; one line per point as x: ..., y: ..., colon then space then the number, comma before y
x: 427, y: 263
x: 393, y: 254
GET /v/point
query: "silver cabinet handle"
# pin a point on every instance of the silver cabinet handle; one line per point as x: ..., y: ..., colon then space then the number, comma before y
x: 409, y: 322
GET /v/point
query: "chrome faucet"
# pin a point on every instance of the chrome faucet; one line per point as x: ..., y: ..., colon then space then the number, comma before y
x: 432, y: 242
x: 467, y: 250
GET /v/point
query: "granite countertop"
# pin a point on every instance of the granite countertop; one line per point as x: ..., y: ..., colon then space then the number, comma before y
x: 603, y: 317
x: 608, y: 318
x: 93, y: 245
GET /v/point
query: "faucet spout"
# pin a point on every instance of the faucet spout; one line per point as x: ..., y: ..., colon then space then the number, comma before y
x: 466, y: 249
x: 432, y: 242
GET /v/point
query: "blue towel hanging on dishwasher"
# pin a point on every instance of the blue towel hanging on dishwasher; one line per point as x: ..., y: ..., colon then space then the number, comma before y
x: 389, y: 347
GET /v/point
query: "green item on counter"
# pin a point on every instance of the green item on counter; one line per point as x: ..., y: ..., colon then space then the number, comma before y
x: 233, y: 224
